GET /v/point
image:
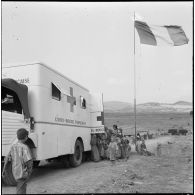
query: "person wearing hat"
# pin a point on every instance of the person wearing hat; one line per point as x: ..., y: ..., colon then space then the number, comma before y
x: 21, y: 159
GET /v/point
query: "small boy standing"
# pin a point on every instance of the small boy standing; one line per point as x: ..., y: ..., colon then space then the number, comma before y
x: 158, y: 148
x: 112, y: 148
x: 127, y: 148
x: 22, y: 162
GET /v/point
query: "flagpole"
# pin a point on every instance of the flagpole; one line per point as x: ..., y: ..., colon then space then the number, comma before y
x: 134, y: 84
x: 103, y: 122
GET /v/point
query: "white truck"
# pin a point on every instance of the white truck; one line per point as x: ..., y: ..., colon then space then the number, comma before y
x: 59, y: 114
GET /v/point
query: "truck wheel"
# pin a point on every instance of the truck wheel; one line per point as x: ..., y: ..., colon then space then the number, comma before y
x: 9, y: 179
x: 76, y: 158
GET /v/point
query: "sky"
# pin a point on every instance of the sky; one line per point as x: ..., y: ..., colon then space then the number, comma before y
x: 92, y: 43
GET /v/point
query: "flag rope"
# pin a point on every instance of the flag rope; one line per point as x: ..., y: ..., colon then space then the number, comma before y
x: 134, y: 83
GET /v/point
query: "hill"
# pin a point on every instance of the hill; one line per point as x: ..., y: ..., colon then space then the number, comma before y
x: 183, y: 103
x: 116, y: 106
x: 125, y: 107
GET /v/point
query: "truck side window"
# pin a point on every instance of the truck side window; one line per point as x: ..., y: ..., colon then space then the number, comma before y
x: 83, y: 102
x: 10, y: 101
x: 56, y: 94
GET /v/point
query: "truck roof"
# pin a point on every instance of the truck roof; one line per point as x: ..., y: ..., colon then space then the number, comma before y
x: 43, y: 64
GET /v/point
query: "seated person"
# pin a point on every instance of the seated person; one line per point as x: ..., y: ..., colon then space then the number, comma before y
x: 144, y: 150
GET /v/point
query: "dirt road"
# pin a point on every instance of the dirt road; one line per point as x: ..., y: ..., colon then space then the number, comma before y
x: 170, y: 173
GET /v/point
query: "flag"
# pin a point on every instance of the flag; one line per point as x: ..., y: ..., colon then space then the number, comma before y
x: 172, y: 35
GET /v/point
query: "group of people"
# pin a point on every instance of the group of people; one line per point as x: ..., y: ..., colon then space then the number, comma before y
x: 111, y: 145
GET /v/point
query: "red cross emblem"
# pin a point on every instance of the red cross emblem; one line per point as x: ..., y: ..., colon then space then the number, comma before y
x: 71, y: 99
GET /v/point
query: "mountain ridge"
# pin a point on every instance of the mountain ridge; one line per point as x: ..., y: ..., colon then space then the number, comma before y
x: 119, y: 106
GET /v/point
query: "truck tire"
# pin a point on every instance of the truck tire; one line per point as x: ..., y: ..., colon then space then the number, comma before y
x: 76, y: 158
x: 9, y: 179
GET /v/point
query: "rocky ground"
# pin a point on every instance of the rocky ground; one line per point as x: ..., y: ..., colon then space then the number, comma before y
x: 172, y: 172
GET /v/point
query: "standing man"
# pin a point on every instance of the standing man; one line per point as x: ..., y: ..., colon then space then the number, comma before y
x: 22, y: 162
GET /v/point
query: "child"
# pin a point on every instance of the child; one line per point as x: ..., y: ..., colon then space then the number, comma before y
x: 138, y: 146
x: 143, y: 148
x: 119, y: 147
x: 158, y: 149
x: 127, y: 148
x: 22, y: 162
x: 112, y: 148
